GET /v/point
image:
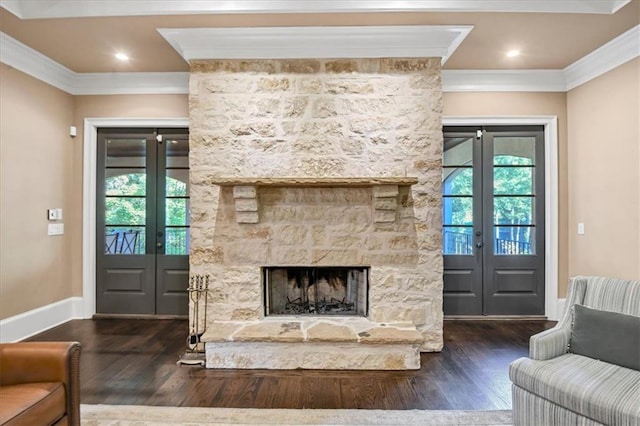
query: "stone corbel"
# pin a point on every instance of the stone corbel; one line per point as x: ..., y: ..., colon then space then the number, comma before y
x: 385, y: 203
x: 246, y: 200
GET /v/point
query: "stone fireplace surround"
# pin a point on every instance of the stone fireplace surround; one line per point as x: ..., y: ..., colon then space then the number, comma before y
x: 318, y: 163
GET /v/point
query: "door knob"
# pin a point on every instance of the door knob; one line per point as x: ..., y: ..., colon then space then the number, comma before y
x: 159, y: 245
x: 479, y: 244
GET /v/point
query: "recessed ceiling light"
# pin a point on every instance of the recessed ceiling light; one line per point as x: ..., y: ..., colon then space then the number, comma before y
x: 122, y: 56
x: 513, y: 53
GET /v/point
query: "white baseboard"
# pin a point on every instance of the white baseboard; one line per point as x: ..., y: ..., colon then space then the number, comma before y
x: 32, y: 322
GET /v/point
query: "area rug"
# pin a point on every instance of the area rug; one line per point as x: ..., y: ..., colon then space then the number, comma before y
x: 138, y: 415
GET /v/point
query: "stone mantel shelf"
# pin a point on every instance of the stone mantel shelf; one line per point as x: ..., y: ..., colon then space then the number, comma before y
x: 319, y: 182
x: 385, y: 192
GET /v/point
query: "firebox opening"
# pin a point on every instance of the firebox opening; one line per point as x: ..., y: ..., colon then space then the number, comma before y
x: 316, y: 290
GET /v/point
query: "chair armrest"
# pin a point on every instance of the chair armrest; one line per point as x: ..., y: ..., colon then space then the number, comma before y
x: 549, y: 343
x: 33, y: 362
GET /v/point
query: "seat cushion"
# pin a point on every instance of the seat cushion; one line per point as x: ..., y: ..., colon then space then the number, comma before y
x: 604, y: 392
x: 32, y: 403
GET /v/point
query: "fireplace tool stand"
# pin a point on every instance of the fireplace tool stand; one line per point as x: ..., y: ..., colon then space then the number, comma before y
x: 198, y: 292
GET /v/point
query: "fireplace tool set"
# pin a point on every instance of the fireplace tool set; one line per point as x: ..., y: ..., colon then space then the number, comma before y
x: 198, y: 291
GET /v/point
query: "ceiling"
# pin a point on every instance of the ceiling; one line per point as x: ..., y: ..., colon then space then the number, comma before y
x: 75, y: 33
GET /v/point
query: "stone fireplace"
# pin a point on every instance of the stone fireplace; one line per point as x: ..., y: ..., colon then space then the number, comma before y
x: 316, y: 211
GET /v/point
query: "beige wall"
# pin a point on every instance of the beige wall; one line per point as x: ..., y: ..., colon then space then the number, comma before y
x: 36, y: 173
x: 604, y: 177
x: 526, y: 103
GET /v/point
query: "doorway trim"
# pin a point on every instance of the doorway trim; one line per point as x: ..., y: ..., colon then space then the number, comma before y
x: 89, y: 171
x: 550, y: 122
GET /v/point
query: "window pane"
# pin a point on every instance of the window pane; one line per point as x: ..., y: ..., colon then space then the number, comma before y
x: 126, y: 152
x: 124, y: 240
x: 513, y: 180
x: 514, y: 240
x: 458, y: 151
x: 177, y: 241
x: 125, y: 211
x: 457, y: 210
x: 177, y: 211
x: 513, y: 211
x: 458, y: 240
x: 177, y: 183
x: 514, y: 150
x: 125, y: 182
x: 458, y: 181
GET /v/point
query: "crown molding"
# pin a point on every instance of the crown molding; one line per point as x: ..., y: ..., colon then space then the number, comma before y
x: 503, y: 81
x: 607, y: 57
x: 40, y: 9
x: 407, y: 41
x: 34, y: 63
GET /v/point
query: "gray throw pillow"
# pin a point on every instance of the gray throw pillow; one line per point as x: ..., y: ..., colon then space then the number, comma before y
x: 608, y: 336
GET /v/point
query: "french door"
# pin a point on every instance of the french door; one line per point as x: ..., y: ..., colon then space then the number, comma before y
x: 493, y: 220
x: 142, y: 221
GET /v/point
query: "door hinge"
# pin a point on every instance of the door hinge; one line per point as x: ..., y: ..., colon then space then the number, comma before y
x: 478, y: 134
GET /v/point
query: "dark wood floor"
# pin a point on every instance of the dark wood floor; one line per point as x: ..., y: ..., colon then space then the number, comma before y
x: 127, y: 361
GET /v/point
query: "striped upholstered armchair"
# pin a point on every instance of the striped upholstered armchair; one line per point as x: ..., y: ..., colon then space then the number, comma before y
x: 585, y: 370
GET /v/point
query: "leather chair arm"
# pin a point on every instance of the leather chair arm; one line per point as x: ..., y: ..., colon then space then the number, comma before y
x: 33, y: 362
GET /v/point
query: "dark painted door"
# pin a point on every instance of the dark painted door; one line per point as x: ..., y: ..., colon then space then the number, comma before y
x: 493, y: 220
x: 142, y: 221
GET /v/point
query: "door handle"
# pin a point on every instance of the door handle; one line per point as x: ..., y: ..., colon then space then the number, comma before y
x: 479, y: 244
x: 159, y: 245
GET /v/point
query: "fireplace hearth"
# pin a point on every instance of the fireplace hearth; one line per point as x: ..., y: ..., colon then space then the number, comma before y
x: 316, y: 290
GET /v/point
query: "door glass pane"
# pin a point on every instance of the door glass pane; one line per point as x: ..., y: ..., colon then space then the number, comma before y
x: 125, y: 182
x: 125, y: 211
x: 177, y: 207
x: 177, y: 241
x: 458, y: 151
x: 513, y: 211
x: 513, y: 180
x: 514, y: 150
x: 177, y: 211
x: 177, y: 183
x: 457, y: 210
x: 457, y: 240
x: 514, y: 240
x: 457, y: 181
x: 178, y: 151
x: 126, y: 152
x: 124, y: 240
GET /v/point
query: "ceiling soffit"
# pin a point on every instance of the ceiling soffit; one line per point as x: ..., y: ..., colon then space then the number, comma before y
x: 416, y: 41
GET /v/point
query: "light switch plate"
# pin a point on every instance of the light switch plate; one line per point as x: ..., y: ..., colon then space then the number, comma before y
x: 56, y: 229
x: 581, y: 229
x: 52, y: 214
